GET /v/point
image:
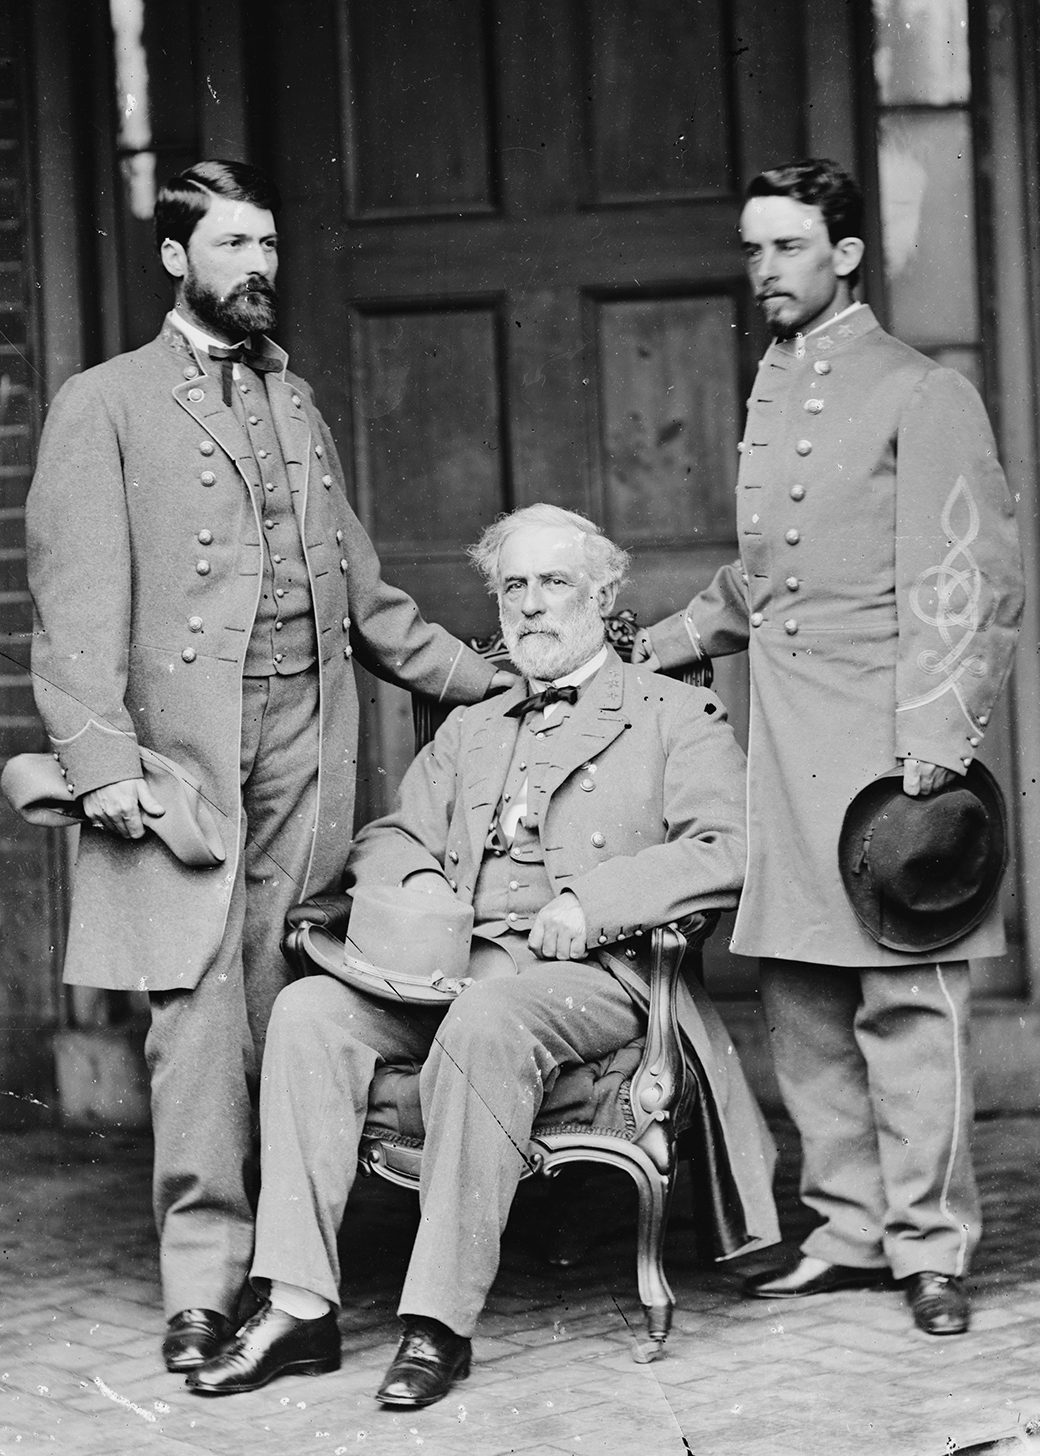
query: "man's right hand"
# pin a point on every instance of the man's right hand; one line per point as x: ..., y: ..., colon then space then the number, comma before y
x: 642, y: 652
x: 118, y: 807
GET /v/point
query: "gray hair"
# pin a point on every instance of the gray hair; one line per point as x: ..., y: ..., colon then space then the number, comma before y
x: 606, y: 563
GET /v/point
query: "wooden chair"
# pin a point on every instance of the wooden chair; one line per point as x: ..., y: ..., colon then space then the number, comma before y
x: 629, y: 1110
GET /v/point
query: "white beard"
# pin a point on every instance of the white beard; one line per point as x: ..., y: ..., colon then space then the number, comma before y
x: 553, y: 649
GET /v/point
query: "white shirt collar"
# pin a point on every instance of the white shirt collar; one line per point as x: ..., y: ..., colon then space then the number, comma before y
x: 195, y: 335
x: 580, y: 674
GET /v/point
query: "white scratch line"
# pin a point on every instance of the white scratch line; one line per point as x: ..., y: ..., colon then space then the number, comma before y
x: 122, y: 1400
x: 23, y: 1097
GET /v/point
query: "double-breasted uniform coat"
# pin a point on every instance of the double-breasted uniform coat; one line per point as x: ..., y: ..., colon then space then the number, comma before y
x: 638, y: 802
x: 877, y: 593
x: 145, y: 530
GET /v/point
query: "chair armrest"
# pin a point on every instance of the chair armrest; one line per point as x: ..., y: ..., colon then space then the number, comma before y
x: 659, y: 1082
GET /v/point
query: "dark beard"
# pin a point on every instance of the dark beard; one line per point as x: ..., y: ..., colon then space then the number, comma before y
x: 250, y: 307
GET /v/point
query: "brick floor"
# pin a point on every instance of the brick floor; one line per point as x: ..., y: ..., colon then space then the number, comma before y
x: 554, y: 1373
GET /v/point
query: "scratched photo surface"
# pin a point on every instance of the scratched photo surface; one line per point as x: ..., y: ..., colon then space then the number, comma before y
x: 510, y: 271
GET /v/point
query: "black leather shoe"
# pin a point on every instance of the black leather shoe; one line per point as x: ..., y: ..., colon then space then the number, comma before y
x: 192, y: 1337
x: 429, y: 1359
x: 939, y: 1302
x: 807, y: 1277
x: 271, y: 1343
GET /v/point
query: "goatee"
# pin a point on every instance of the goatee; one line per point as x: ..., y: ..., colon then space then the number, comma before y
x: 249, y: 308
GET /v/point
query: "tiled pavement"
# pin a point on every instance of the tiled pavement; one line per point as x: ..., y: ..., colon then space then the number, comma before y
x: 554, y: 1370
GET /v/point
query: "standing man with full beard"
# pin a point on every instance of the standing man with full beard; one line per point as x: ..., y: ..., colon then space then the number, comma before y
x: 201, y: 585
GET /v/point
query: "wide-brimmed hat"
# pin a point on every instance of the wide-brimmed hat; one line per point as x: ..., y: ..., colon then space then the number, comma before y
x: 406, y: 945
x: 34, y: 785
x: 920, y: 873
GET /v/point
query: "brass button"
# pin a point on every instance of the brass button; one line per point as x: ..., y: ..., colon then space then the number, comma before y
x: 202, y: 567
x: 279, y: 591
x: 598, y: 839
x: 244, y: 388
x: 966, y: 762
x: 813, y: 406
x: 278, y: 656
x: 261, y: 454
x: 797, y: 492
x: 453, y: 856
x: 268, y: 485
x: 206, y: 447
x: 454, y: 884
x: 194, y: 624
x: 254, y: 419
x: 326, y: 481
x: 512, y: 915
x: 278, y: 626
x: 196, y: 394
x: 296, y: 400
x: 790, y: 626
x: 188, y: 655
x: 339, y: 538
x: 756, y: 619
x: 268, y: 523
x: 983, y: 719
x: 206, y: 538
x: 587, y: 785
x: 973, y: 740
x: 792, y: 583
x: 208, y: 478
x: 740, y: 448
x: 514, y: 884
x: 189, y: 371
x: 602, y: 938
x: 277, y: 559
x: 342, y: 563
x: 804, y: 447
x: 319, y: 451
x: 792, y: 537
x: 348, y: 652
x: 346, y: 624
x: 822, y: 366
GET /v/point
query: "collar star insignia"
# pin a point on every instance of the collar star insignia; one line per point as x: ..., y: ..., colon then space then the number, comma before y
x: 826, y: 343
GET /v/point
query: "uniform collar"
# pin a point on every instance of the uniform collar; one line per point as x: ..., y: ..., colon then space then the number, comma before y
x: 837, y: 333
x: 177, y: 328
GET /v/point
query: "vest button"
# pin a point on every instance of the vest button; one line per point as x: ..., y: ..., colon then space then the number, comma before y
x: 278, y: 656
x: 790, y: 626
x: 296, y: 400
x: 339, y: 538
x: 189, y: 371
x: 453, y: 856
x: 261, y: 454
x: 346, y: 624
x: 804, y: 447
x: 208, y: 478
x: 194, y: 624
x: 188, y: 655
x: 514, y: 884
x: 822, y: 366
x: 268, y: 524
x: 813, y: 406
x: 791, y: 583
x: 342, y: 563
x: 797, y: 492
x: 326, y: 481
x: 196, y: 394
x: 202, y: 567
x: 254, y: 419
x: 278, y: 625
x: 206, y: 447
x: 598, y: 839
x: 792, y: 537
x: 319, y: 451
x: 206, y: 538
x: 512, y: 915
x: 279, y: 591
x: 454, y: 884
x: 587, y: 785
x: 348, y: 652
x: 757, y: 619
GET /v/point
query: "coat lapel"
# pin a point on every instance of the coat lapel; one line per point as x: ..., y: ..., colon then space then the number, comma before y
x: 489, y: 752
x: 597, y: 719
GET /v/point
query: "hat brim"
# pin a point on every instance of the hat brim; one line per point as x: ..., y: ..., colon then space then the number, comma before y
x: 489, y: 960
x: 901, y: 928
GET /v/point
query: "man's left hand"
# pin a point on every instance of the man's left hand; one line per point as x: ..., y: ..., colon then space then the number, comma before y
x: 559, y: 929
x: 502, y: 679
x: 921, y: 779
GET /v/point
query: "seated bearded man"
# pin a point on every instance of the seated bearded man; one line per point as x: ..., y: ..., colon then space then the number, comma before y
x: 569, y: 822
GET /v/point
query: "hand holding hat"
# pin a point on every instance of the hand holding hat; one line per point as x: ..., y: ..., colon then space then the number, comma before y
x: 33, y: 785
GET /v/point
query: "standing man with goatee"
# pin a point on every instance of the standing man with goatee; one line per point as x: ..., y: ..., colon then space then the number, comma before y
x: 877, y: 595
x: 201, y: 584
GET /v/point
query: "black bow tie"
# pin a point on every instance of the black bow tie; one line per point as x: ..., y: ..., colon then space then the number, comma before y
x: 245, y: 355
x: 551, y: 694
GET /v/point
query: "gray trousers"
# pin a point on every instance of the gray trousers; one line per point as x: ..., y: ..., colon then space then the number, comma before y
x: 488, y: 1064
x: 873, y: 1067
x: 204, y: 1046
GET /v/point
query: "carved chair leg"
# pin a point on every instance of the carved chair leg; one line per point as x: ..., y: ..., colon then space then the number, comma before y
x: 655, y: 1191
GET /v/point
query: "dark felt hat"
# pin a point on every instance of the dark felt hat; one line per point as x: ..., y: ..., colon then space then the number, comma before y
x: 920, y: 873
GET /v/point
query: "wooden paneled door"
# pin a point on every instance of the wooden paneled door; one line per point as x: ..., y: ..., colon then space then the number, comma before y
x: 510, y: 268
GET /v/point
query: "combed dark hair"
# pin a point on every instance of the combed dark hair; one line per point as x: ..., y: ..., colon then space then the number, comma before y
x: 606, y: 563
x: 816, y: 182
x: 185, y: 199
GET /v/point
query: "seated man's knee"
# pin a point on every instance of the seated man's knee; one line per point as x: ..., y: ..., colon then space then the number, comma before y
x: 302, y: 1005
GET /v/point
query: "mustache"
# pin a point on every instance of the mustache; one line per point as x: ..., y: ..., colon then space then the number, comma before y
x: 253, y: 285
